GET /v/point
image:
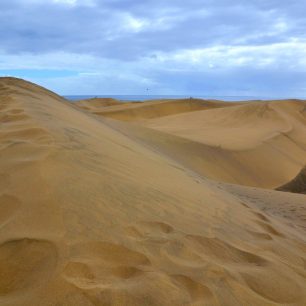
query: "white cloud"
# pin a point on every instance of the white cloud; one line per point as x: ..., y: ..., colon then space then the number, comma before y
x: 71, y: 2
x: 224, y: 56
x: 134, y: 24
x: 130, y: 23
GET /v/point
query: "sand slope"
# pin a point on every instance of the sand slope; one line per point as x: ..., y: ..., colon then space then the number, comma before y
x: 265, y: 140
x: 259, y: 144
x: 297, y: 185
x: 93, y: 215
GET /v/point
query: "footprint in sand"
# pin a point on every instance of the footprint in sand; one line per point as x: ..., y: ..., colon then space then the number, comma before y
x: 149, y: 229
x: 12, y: 115
x: 180, y: 254
x: 197, y: 291
x: 154, y: 231
x: 25, y: 264
x: 96, y: 264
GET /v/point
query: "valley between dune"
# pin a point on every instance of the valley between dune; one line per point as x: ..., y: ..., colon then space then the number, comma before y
x: 169, y: 202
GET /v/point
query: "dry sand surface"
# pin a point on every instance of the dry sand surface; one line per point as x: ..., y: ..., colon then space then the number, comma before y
x: 172, y: 204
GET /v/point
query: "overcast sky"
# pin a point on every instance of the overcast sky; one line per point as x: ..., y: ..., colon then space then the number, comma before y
x: 193, y: 47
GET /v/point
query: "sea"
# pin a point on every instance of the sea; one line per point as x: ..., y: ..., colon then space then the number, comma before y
x: 140, y: 98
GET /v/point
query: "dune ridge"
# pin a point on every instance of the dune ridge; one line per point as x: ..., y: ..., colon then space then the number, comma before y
x: 95, y: 213
x: 138, y: 111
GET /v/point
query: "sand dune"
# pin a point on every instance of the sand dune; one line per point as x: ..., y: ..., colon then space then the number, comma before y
x: 95, y: 104
x: 138, y: 111
x: 240, y: 127
x: 265, y: 140
x: 260, y: 144
x: 94, y: 211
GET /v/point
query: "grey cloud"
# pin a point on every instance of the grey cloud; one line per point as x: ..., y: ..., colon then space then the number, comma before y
x: 130, y: 37
x: 44, y: 26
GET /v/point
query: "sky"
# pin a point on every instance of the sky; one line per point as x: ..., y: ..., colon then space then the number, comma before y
x: 188, y: 47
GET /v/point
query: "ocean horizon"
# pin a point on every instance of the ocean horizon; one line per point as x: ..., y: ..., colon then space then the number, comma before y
x: 156, y: 97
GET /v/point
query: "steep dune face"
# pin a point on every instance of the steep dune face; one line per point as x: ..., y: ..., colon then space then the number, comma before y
x: 93, y: 216
x: 259, y: 144
x: 297, y: 185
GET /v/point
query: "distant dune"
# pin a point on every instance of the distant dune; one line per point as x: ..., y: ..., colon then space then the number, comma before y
x: 166, y: 202
x: 96, y: 103
x: 130, y: 111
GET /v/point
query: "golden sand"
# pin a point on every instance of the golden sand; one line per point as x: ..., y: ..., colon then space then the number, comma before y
x: 172, y: 204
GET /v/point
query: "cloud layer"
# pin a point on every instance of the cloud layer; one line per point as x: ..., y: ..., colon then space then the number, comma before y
x: 190, y: 47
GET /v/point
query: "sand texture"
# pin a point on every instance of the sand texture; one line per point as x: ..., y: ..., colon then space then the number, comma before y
x: 155, y: 203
